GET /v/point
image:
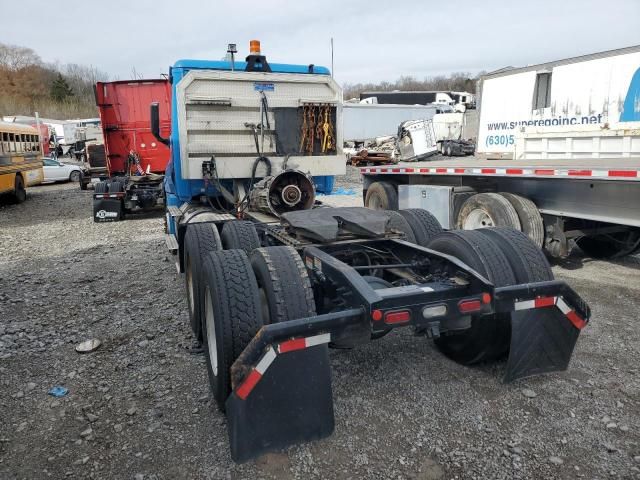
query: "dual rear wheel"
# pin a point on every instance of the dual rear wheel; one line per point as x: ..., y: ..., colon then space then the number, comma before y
x: 233, y: 292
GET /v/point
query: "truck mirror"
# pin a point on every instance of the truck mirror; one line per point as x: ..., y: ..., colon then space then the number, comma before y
x: 155, y: 123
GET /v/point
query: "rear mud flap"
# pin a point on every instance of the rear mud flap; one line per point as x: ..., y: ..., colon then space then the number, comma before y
x: 542, y: 341
x: 107, y: 209
x: 292, y: 402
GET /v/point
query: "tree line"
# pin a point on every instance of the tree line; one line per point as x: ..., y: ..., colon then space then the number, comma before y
x: 456, y: 82
x: 60, y: 91
x: 63, y: 91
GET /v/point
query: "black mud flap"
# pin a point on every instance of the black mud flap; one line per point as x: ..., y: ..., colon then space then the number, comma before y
x: 107, y: 209
x: 291, y: 403
x: 542, y: 341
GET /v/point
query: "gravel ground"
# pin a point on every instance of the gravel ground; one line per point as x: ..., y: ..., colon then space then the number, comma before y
x: 139, y: 406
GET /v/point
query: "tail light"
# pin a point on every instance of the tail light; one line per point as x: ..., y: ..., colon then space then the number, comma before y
x: 401, y: 316
x: 469, y: 306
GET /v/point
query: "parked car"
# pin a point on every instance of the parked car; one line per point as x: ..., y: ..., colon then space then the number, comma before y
x: 55, y: 171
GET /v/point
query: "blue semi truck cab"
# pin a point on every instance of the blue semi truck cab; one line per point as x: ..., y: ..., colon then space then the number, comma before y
x: 237, y: 123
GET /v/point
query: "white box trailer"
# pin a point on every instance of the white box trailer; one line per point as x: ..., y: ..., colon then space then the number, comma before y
x: 593, y: 92
x: 560, y: 159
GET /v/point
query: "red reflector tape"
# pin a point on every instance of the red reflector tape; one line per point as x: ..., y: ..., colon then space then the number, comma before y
x: 488, y: 170
x: 292, y: 345
x: 397, y: 317
x: 544, y: 172
x: 580, y: 173
x: 544, y: 302
x: 576, y: 320
x: 251, y: 381
x: 558, y: 302
x: 623, y: 173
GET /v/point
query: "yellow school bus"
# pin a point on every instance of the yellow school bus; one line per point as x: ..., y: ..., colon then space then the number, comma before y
x: 20, y: 159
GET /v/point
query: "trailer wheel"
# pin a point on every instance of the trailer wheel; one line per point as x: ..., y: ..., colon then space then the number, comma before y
x: 424, y: 225
x: 100, y: 187
x: 200, y: 239
x: 529, y: 216
x: 285, y: 288
x: 398, y: 222
x: 527, y: 260
x: 83, y: 183
x: 487, y: 210
x: 240, y: 235
x: 381, y: 196
x: 232, y: 315
x: 489, y: 335
x: 611, y: 245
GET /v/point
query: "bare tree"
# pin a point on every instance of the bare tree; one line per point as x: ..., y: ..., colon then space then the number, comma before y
x: 13, y: 57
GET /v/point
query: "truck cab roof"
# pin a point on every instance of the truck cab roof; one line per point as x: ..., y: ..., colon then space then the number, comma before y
x: 188, y: 64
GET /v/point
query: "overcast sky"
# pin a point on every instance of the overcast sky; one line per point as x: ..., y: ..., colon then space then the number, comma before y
x: 374, y: 40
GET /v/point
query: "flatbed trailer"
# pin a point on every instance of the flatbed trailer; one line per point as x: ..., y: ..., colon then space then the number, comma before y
x: 557, y: 202
x: 273, y: 278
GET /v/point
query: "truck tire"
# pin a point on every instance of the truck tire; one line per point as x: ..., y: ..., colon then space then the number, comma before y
x: 489, y: 335
x: 610, y: 246
x: 19, y: 191
x: 100, y: 187
x: 527, y: 260
x: 200, y: 239
x: 240, y: 235
x: 285, y: 288
x: 424, y: 225
x: 529, y: 216
x: 116, y: 186
x: 449, y: 149
x: 232, y: 315
x: 381, y: 196
x: 83, y: 182
x: 398, y: 222
x: 487, y: 210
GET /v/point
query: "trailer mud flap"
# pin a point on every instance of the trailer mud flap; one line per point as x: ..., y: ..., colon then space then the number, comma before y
x: 107, y: 209
x: 289, y: 402
x: 542, y: 341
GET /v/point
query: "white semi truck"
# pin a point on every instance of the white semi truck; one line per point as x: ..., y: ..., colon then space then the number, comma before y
x: 559, y: 158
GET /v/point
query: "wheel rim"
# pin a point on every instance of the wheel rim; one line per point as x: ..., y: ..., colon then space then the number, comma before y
x: 375, y: 203
x: 477, y: 219
x: 189, y: 276
x: 212, y: 345
x: 75, y: 176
